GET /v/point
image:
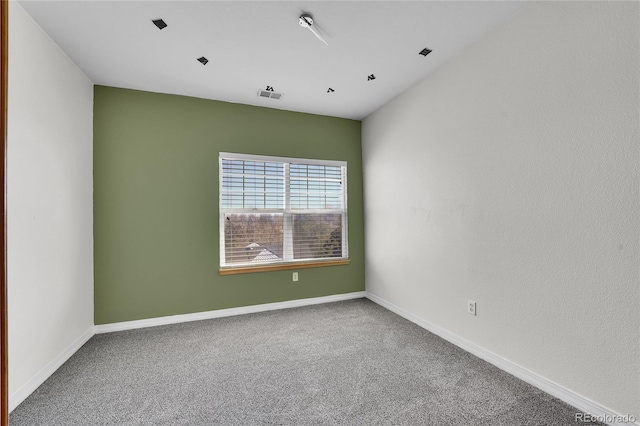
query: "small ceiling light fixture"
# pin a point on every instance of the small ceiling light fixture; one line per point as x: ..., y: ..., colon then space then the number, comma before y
x: 330, y: 90
x: 159, y: 23
x: 203, y: 60
x: 371, y: 77
x: 424, y: 52
x: 306, y: 21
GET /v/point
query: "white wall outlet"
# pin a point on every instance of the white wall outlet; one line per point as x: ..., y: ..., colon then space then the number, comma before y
x: 295, y: 276
x: 471, y: 307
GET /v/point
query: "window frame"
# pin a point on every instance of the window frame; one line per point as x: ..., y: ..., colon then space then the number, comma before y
x: 287, y: 262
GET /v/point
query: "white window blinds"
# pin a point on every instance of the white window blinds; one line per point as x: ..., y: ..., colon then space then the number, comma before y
x: 275, y: 210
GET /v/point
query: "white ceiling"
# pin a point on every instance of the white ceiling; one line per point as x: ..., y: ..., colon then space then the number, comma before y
x: 252, y: 44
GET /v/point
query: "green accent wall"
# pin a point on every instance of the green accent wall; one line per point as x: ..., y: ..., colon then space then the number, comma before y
x: 156, y: 225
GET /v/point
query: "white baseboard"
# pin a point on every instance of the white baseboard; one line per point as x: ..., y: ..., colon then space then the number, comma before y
x: 581, y: 403
x: 173, y: 319
x: 28, y: 388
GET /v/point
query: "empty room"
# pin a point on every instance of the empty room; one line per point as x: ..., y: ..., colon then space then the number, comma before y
x: 321, y: 213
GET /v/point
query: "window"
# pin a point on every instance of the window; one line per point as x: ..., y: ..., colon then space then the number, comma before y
x: 281, y: 211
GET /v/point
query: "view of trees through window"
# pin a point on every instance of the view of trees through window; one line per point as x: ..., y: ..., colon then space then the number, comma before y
x: 317, y: 236
x: 254, y: 238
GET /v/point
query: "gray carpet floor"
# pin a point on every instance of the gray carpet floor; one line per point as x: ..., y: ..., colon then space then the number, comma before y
x: 344, y: 363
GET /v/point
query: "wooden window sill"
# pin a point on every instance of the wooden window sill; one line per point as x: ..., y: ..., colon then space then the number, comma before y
x: 281, y: 267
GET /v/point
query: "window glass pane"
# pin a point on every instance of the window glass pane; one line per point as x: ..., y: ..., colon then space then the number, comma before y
x: 317, y: 236
x: 253, y: 238
x: 315, y: 171
x: 298, y: 170
x: 251, y: 185
x: 315, y: 186
x: 333, y: 172
x: 232, y: 166
x: 274, y: 169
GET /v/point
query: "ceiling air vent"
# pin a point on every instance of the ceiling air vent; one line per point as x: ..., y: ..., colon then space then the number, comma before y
x: 269, y: 94
x: 424, y: 52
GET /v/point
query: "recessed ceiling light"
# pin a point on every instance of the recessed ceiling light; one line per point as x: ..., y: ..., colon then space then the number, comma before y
x: 371, y: 77
x: 424, y: 52
x: 203, y: 60
x: 159, y: 23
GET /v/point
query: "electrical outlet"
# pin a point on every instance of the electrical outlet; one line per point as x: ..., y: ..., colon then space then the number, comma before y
x: 295, y: 276
x: 471, y: 307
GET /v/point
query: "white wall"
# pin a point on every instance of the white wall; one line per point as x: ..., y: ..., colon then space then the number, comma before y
x: 50, y: 205
x: 510, y: 176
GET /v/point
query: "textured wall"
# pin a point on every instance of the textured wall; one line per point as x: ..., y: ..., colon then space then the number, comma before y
x: 156, y: 202
x: 510, y: 177
x: 49, y: 201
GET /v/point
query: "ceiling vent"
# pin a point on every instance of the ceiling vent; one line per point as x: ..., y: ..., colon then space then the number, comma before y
x: 203, y: 60
x: 269, y: 94
x: 424, y: 52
